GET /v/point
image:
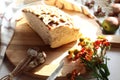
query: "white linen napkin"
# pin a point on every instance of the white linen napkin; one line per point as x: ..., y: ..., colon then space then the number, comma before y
x: 4, y: 27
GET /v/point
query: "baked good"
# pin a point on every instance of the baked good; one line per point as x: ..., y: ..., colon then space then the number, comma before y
x: 54, y: 26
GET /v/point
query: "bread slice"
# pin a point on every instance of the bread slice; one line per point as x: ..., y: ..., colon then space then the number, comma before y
x: 54, y: 26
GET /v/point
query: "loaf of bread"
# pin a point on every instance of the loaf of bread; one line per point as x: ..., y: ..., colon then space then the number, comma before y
x: 54, y: 26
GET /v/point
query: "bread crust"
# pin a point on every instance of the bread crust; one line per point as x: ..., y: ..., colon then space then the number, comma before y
x: 55, y: 27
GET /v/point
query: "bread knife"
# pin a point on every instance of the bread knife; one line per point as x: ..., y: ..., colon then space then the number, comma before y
x: 55, y: 73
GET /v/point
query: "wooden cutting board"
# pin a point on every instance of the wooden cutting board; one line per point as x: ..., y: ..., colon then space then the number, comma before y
x: 25, y: 38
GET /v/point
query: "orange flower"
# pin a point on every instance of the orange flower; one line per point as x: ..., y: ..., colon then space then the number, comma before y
x: 97, y: 44
x: 86, y: 53
x: 105, y: 42
x: 89, y: 54
x: 74, y: 74
x: 88, y: 57
x: 71, y: 55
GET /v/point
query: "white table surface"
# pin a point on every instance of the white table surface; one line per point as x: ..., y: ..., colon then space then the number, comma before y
x: 113, y: 63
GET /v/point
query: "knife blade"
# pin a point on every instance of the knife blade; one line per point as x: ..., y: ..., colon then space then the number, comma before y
x: 55, y: 73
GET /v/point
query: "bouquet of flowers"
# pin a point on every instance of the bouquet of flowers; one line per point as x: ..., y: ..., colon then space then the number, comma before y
x: 92, y: 55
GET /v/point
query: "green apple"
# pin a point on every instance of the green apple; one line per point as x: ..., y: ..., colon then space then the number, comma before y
x: 110, y: 25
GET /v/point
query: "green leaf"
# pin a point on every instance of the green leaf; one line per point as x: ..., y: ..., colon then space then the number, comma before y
x: 80, y: 78
x: 105, y: 68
